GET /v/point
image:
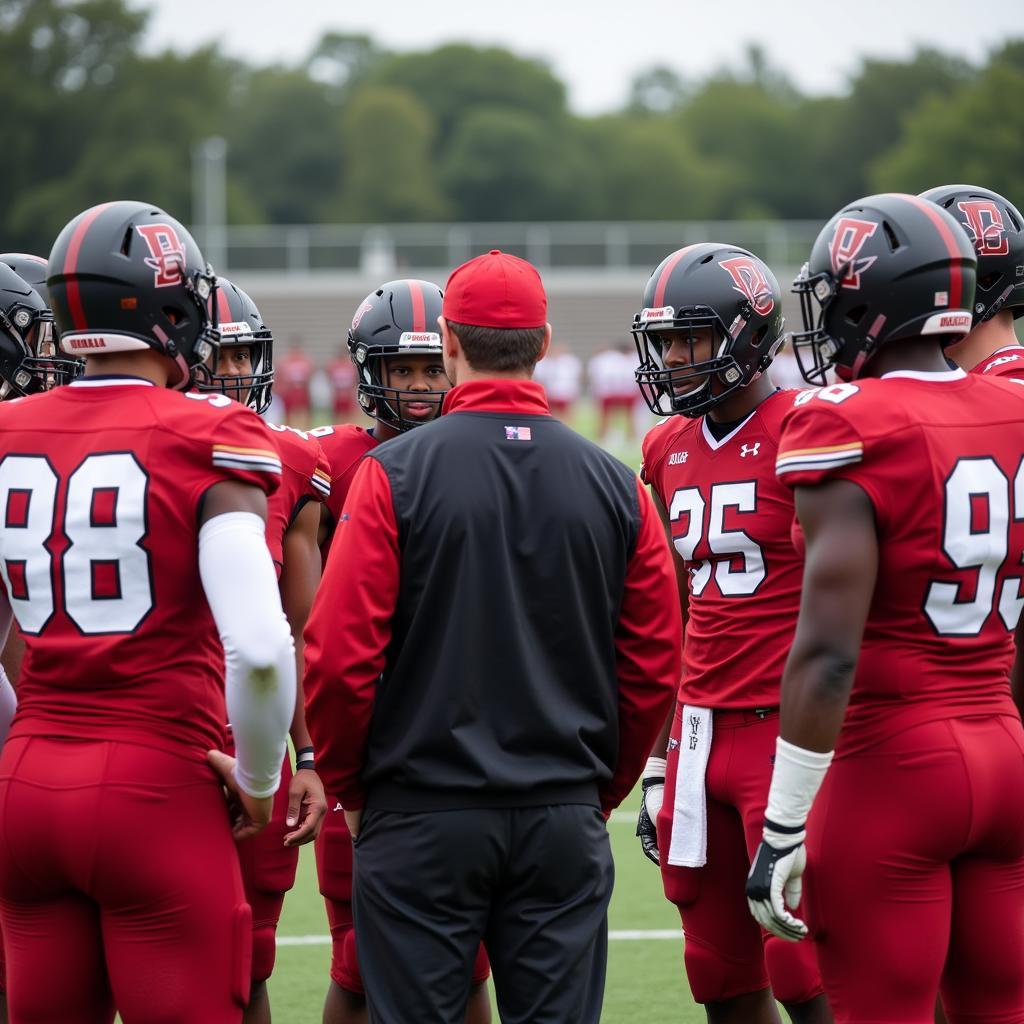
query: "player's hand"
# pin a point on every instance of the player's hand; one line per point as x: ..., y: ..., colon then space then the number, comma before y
x: 249, y: 814
x: 775, y: 882
x: 653, y: 784
x: 353, y: 820
x: 307, y: 805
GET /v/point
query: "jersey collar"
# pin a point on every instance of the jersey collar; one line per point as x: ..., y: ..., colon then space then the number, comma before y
x: 496, y: 394
x: 110, y: 381
x: 936, y: 375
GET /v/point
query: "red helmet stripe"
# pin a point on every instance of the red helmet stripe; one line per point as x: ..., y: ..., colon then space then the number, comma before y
x: 223, y: 309
x: 71, y: 264
x: 419, y: 309
x: 956, y: 274
x: 673, y: 260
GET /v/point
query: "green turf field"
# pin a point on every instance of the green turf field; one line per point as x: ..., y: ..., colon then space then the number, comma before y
x: 645, y: 976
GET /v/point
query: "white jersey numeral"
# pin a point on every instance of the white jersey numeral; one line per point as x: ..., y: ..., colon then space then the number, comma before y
x: 975, y: 536
x: 727, y: 545
x: 105, y: 571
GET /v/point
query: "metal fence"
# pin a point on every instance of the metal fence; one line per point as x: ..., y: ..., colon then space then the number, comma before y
x: 377, y: 251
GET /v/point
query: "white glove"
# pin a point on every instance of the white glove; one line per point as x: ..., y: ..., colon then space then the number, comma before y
x: 775, y: 881
x: 653, y: 783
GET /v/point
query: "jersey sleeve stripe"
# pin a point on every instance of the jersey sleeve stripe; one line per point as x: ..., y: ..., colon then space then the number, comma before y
x: 265, y: 453
x: 321, y: 482
x: 798, y: 463
x: 830, y: 449
x: 259, y: 466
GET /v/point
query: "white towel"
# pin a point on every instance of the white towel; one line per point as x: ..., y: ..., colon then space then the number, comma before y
x: 688, y: 846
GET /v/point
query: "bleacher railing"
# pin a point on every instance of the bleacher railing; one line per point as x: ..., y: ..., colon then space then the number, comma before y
x: 376, y: 250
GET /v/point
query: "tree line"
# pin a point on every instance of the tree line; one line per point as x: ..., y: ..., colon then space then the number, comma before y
x: 357, y: 134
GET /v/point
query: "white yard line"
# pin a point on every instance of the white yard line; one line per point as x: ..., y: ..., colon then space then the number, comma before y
x: 628, y: 935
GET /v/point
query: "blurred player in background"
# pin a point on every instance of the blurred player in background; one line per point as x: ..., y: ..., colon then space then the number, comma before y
x: 269, y: 860
x: 395, y: 348
x: 132, y: 533
x: 711, y: 323
x: 560, y: 373
x: 996, y: 229
x: 909, y: 488
x: 341, y: 374
x: 613, y: 388
x: 294, y: 375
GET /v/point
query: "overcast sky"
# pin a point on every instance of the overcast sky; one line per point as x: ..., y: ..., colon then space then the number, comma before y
x: 597, y: 46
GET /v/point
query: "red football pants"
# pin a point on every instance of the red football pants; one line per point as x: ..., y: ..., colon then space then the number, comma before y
x: 268, y: 872
x: 726, y: 953
x: 119, y: 884
x: 915, y: 873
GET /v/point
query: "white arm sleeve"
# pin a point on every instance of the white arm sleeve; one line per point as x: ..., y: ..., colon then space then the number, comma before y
x: 259, y: 681
x: 8, y: 699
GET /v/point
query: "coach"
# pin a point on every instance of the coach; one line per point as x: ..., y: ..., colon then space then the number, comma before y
x: 493, y: 648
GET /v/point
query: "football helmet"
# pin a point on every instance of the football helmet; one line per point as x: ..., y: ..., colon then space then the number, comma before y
x: 241, y: 325
x: 126, y: 276
x: 996, y: 228
x: 883, y: 269
x: 31, y: 269
x: 29, y: 362
x: 709, y: 285
x: 399, y: 318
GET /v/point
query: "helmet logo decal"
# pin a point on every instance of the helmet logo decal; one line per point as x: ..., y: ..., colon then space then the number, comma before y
x: 985, y: 226
x: 166, y: 254
x: 750, y: 281
x: 847, y: 242
x: 363, y: 309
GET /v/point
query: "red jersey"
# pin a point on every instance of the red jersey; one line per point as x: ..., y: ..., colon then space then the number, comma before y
x: 305, y: 476
x: 101, y: 484
x: 730, y: 522
x: 1004, y: 362
x: 344, y: 446
x: 939, y: 455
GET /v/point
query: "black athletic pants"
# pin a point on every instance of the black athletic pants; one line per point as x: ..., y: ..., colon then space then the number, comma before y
x: 532, y: 882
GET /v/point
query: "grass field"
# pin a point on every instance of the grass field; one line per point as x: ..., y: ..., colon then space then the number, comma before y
x: 645, y: 975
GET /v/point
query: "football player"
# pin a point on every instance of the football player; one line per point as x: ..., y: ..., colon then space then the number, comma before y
x: 710, y: 326
x: 131, y: 534
x: 909, y: 489
x: 269, y: 860
x: 396, y: 348
x: 996, y: 230
x: 29, y: 363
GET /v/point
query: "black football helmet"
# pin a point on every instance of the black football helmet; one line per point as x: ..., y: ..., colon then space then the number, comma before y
x: 30, y: 268
x: 126, y: 276
x: 399, y: 318
x: 241, y: 325
x: 709, y: 285
x: 996, y: 228
x: 29, y: 362
x: 884, y: 268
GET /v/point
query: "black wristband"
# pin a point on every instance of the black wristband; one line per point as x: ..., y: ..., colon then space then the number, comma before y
x: 304, y: 758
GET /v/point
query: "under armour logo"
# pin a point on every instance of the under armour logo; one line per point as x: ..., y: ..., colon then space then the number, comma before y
x: 750, y: 449
x: 677, y: 458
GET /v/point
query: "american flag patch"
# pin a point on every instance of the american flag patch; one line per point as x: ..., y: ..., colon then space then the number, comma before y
x: 518, y: 434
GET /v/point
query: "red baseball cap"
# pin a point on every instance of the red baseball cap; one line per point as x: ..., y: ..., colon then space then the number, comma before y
x: 496, y: 290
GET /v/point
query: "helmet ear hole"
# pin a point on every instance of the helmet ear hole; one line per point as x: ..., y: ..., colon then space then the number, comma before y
x: 988, y: 281
x: 759, y: 336
x: 175, y: 315
x: 855, y: 315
